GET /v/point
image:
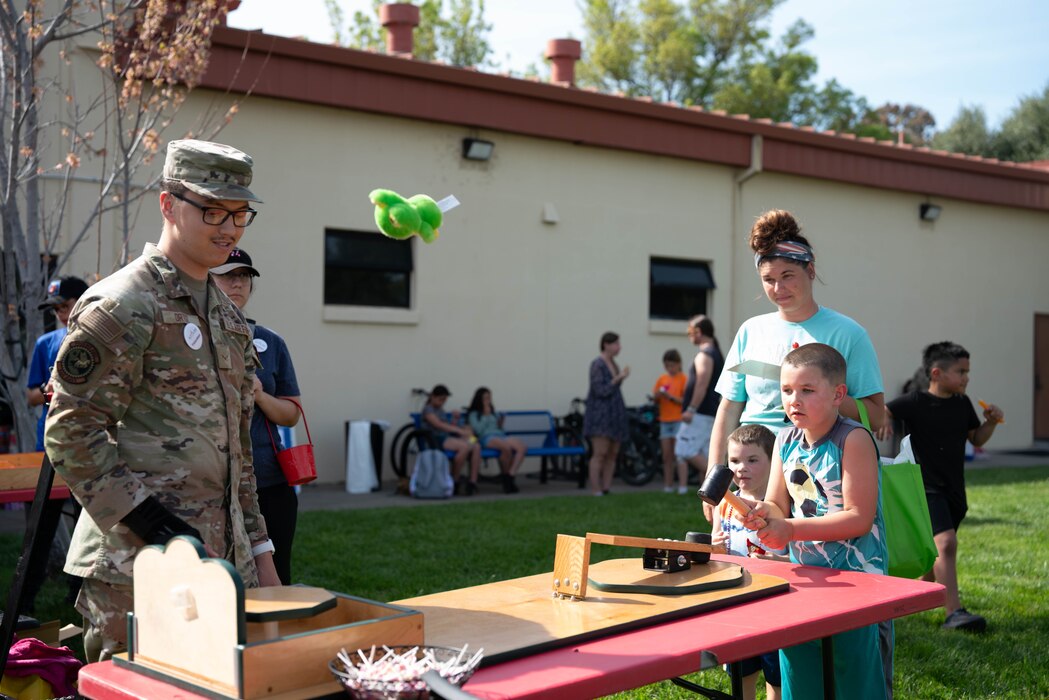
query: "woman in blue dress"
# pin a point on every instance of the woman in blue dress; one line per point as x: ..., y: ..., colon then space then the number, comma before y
x: 605, y: 421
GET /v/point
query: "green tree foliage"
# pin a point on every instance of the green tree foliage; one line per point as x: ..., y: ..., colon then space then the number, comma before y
x: 458, y: 38
x: 968, y: 133
x: 1023, y: 135
x: 717, y: 54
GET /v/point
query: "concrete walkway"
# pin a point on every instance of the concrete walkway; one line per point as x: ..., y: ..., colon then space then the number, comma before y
x: 334, y: 497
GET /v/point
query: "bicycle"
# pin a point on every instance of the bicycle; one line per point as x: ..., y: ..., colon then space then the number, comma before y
x: 397, y: 451
x: 640, y: 457
x: 570, y: 434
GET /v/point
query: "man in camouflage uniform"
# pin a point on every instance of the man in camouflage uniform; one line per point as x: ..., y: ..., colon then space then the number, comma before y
x: 149, y: 422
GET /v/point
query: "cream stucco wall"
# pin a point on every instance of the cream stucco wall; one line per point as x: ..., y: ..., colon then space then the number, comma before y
x: 974, y: 277
x: 504, y: 300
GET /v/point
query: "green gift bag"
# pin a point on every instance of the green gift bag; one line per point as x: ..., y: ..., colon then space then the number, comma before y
x: 908, y: 529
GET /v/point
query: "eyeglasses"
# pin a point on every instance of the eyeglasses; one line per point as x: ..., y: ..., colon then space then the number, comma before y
x: 216, y: 216
x: 237, y: 277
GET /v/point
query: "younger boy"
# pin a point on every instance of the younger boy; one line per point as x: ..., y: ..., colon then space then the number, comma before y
x: 823, y: 501
x: 749, y: 457
x: 939, y: 421
x: 668, y: 392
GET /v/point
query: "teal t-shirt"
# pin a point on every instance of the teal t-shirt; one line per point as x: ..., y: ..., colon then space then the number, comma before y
x: 768, y: 338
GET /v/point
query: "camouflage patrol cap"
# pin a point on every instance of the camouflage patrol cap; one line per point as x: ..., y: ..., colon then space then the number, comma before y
x: 212, y: 170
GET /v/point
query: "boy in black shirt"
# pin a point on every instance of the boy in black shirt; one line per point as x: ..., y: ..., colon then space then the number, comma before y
x: 939, y: 421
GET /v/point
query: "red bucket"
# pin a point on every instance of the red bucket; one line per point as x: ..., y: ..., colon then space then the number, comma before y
x: 296, y: 462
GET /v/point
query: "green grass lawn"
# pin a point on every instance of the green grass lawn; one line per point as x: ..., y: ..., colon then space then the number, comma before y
x: 393, y: 553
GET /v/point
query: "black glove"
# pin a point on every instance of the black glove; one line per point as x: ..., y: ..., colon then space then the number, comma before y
x: 156, y: 524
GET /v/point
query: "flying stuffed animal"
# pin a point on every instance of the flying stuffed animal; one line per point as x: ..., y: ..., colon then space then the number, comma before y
x: 402, y: 218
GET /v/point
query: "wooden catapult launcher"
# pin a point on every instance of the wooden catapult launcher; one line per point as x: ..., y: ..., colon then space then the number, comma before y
x: 664, y: 556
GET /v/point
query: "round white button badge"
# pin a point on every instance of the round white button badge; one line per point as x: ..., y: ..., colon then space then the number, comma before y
x: 260, y: 345
x: 194, y: 338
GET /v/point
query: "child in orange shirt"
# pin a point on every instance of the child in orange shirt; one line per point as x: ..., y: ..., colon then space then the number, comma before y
x: 668, y: 392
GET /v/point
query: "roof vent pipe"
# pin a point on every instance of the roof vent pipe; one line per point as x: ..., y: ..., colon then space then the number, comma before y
x: 563, y: 53
x: 399, y: 19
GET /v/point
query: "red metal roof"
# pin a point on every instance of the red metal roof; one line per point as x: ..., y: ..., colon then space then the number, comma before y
x: 338, y: 77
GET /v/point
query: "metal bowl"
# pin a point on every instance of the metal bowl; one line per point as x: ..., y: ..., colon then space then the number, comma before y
x: 414, y: 688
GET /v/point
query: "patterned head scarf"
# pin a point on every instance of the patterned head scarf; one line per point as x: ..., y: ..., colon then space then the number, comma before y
x: 787, y: 249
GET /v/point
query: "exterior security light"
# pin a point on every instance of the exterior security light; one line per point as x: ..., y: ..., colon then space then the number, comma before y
x: 929, y: 212
x: 477, y: 149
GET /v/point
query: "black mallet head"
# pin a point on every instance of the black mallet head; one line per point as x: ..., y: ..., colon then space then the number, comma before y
x: 716, y: 484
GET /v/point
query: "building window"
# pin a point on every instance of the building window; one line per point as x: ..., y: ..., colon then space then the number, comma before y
x: 366, y: 269
x: 678, y: 289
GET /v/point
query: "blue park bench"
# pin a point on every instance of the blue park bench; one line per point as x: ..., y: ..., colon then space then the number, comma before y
x: 560, y: 447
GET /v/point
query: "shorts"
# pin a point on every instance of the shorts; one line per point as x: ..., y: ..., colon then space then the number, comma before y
x: 489, y: 436
x: 694, y: 438
x: 946, y: 513
x: 767, y: 663
x: 669, y: 429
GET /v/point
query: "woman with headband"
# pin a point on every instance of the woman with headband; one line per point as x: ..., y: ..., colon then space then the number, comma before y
x: 786, y: 266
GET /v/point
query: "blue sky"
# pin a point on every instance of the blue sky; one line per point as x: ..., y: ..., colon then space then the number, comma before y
x: 940, y: 54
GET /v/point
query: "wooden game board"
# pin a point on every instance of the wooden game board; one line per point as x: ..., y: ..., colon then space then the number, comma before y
x: 519, y: 617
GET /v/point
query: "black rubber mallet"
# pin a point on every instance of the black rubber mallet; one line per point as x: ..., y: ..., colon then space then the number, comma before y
x: 715, y: 489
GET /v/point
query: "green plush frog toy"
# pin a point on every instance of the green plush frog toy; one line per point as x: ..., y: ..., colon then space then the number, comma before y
x: 402, y: 218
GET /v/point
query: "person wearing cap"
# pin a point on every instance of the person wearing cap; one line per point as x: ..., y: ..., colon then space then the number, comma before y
x: 450, y: 435
x: 61, y: 295
x: 152, y: 399
x: 277, y: 400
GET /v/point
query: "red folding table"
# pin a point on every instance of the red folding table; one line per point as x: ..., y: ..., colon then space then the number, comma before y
x: 820, y: 603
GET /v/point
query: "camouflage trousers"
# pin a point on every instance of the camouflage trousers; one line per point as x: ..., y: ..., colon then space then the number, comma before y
x: 105, y: 607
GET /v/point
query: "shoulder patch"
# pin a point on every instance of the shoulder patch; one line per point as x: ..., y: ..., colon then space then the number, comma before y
x: 101, y: 324
x: 233, y: 323
x: 77, y: 361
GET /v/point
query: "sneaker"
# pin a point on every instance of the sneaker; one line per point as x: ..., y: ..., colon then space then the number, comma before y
x: 682, y: 490
x: 509, y: 484
x: 471, y: 488
x: 668, y: 489
x: 962, y: 619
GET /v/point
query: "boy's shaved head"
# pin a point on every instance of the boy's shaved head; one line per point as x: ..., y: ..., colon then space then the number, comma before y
x: 826, y: 359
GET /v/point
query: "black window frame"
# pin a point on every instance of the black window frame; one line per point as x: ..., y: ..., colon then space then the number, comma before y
x: 367, y: 269
x: 678, y: 288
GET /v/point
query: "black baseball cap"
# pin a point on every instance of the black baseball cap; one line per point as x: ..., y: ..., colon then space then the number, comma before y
x: 62, y: 290
x: 237, y: 259
x: 440, y: 390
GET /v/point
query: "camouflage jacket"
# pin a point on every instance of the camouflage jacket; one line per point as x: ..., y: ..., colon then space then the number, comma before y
x: 153, y: 397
